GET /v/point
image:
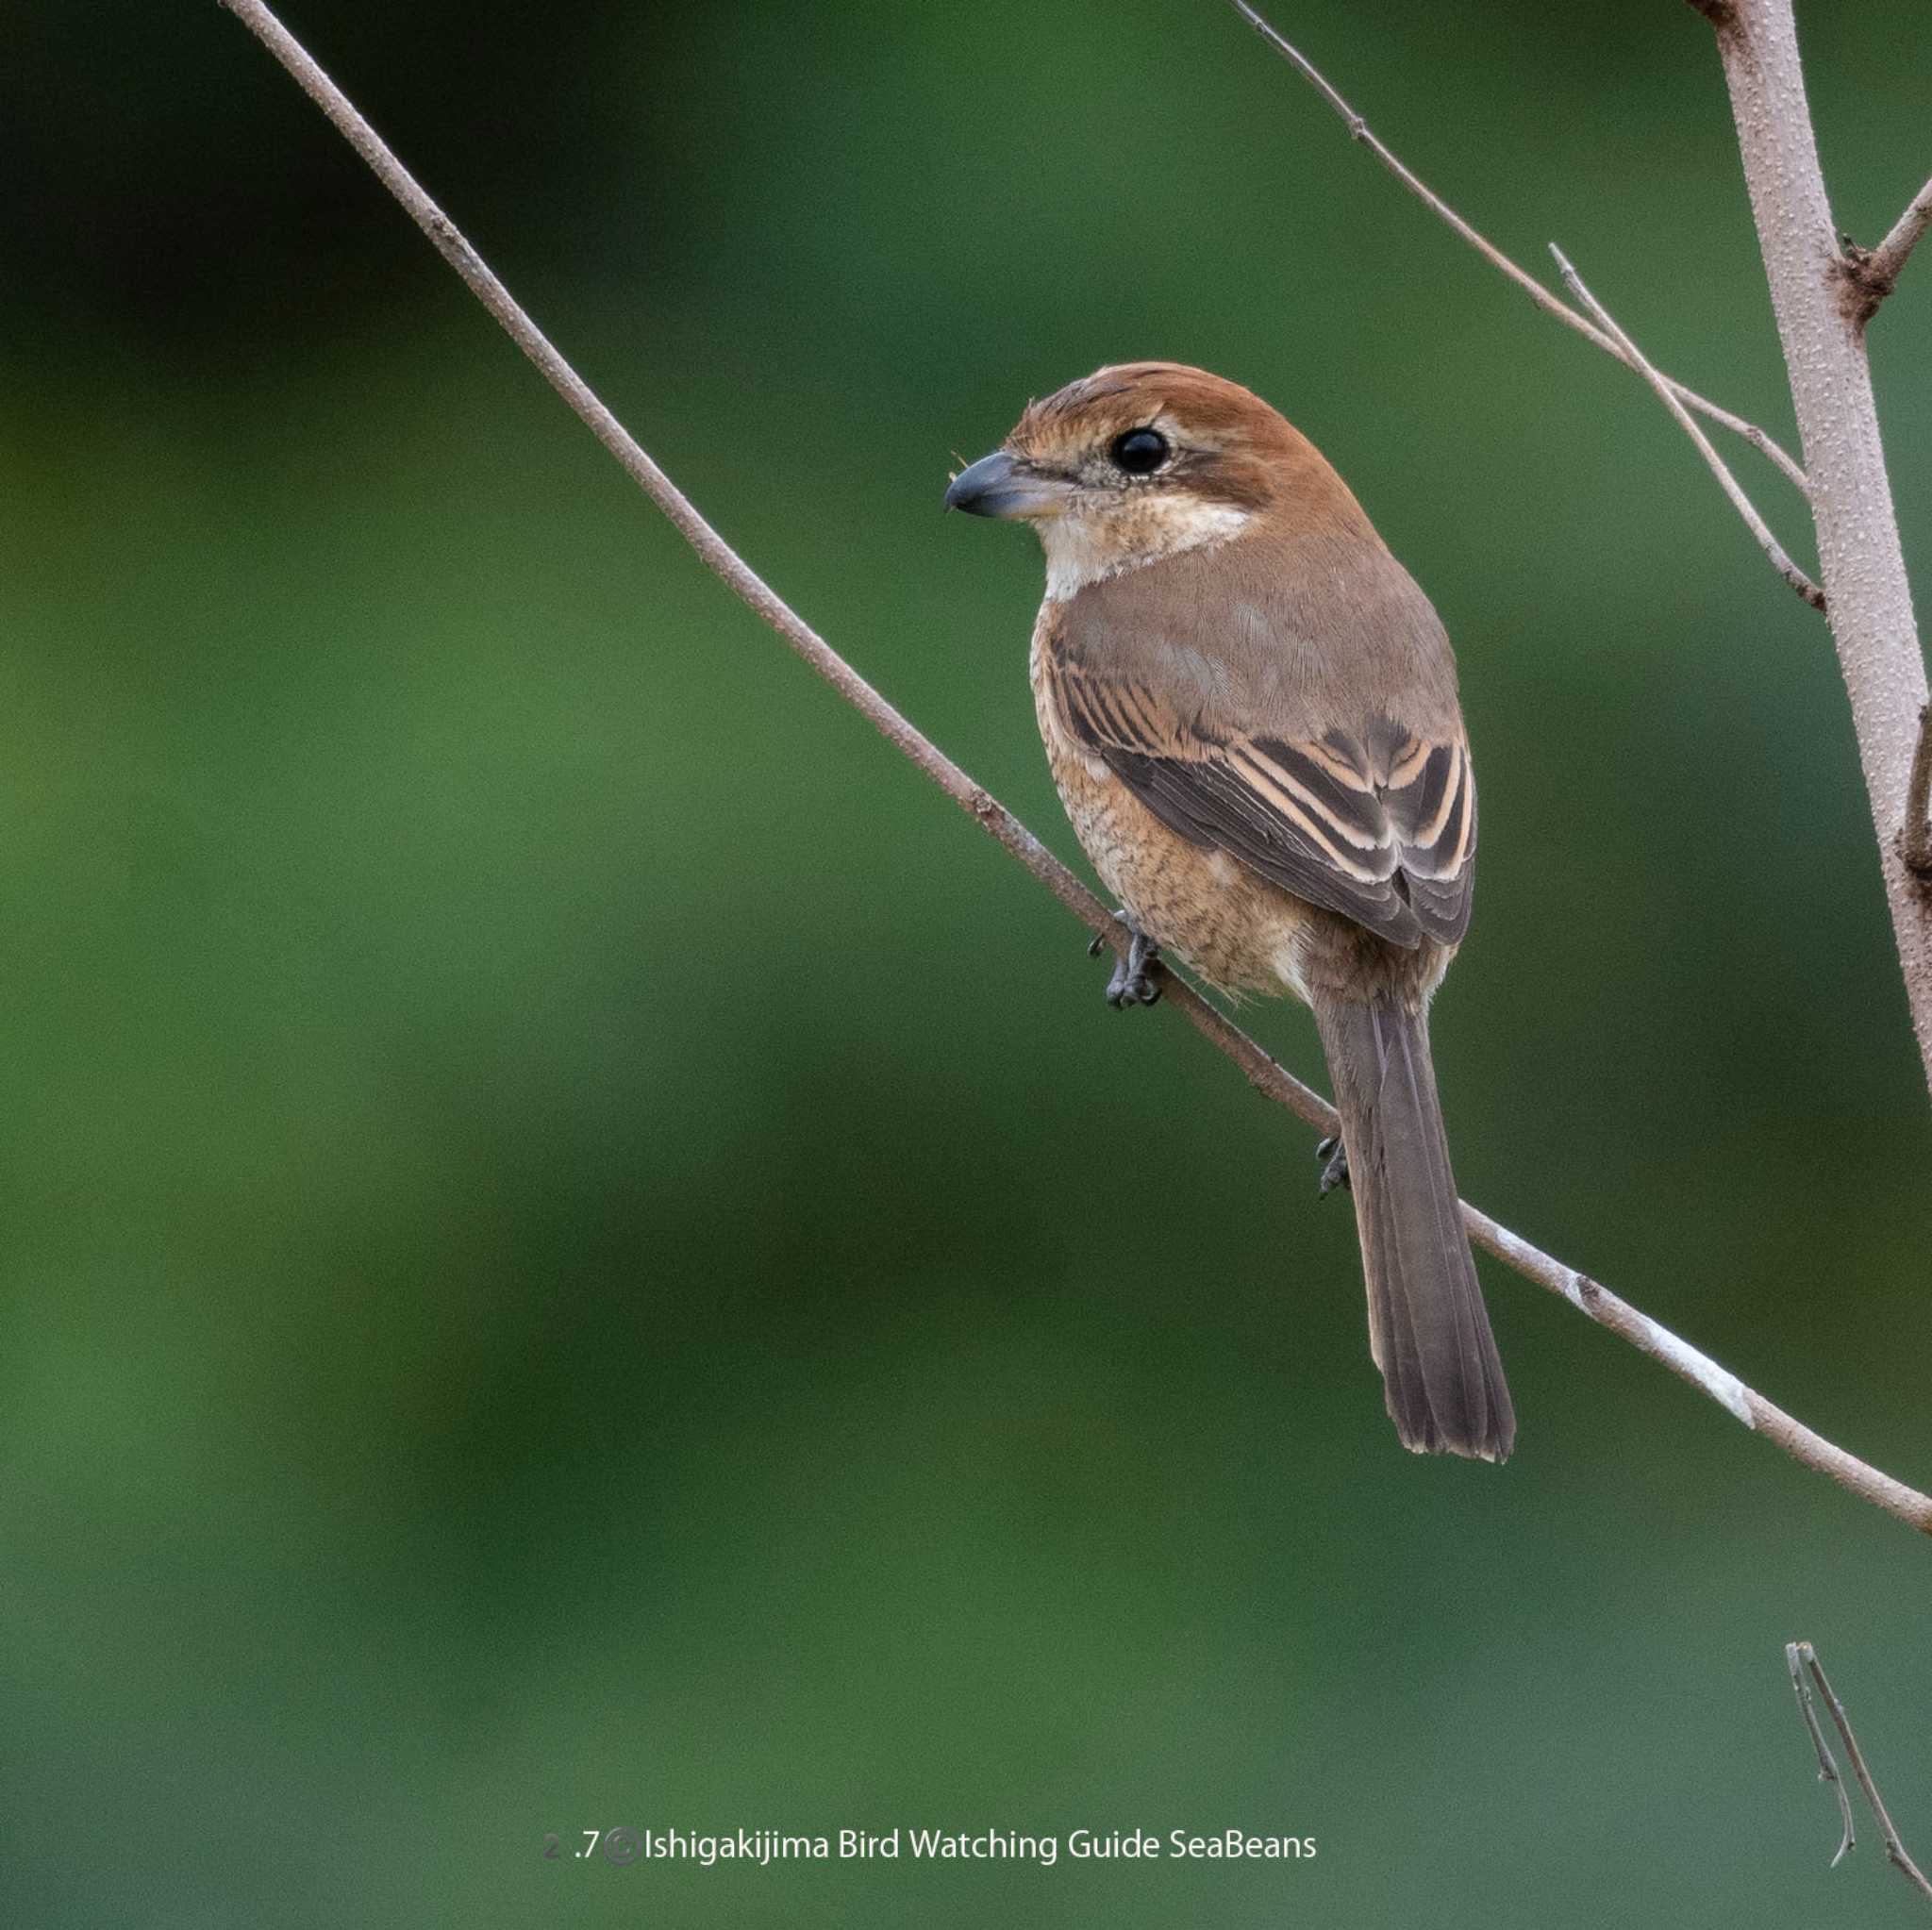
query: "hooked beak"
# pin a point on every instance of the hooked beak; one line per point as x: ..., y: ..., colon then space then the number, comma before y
x: 1002, y: 485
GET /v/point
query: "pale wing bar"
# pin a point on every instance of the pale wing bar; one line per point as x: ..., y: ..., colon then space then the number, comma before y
x: 1433, y: 814
x: 1392, y: 854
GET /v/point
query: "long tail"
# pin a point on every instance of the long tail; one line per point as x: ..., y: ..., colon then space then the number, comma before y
x: 1427, y: 1327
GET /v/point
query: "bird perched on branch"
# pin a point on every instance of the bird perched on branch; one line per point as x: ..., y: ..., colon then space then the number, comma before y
x: 1251, y: 712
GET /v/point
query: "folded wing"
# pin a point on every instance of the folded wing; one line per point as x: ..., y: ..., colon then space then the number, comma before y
x: 1377, y: 825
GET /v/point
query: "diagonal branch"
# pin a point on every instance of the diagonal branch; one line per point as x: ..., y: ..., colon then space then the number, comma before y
x: 1740, y: 501
x: 1742, y: 1403
x: 1360, y: 129
x: 1802, y: 1656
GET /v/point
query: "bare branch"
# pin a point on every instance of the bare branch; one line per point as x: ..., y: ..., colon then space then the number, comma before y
x: 1893, y: 252
x: 1263, y: 1073
x: 1874, y: 272
x: 1861, y: 562
x: 1669, y: 1350
x: 1740, y: 501
x: 1796, y: 1654
x: 1827, y: 1763
x: 1360, y: 130
x: 1915, y: 839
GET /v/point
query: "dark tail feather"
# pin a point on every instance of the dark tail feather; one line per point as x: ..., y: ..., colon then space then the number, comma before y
x: 1427, y: 1325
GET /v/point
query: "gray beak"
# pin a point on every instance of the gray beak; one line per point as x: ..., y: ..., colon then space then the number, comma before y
x: 1001, y: 484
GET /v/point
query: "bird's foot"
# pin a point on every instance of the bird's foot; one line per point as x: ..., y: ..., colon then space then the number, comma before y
x: 1133, y: 983
x: 1334, y: 1155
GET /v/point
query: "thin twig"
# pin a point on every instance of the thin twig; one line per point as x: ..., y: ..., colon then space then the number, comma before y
x: 1915, y: 839
x: 1827, y: 1763
x: 1263, y: 1073
x: 1360, y: 130
x: 1803, y: 1652
x: 1740, y: 501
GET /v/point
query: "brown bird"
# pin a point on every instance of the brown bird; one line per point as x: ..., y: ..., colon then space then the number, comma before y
x: 1250, y: 709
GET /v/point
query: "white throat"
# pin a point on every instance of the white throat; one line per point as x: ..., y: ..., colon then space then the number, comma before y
x: 1085, y: 548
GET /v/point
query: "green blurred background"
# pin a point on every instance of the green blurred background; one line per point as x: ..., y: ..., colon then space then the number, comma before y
x: 580, y: 1249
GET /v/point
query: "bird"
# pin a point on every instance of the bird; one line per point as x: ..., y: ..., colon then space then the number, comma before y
x: 1250, y: 713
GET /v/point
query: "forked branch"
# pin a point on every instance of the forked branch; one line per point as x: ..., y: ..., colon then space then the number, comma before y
x: 1726, y: 481
x: 1802, y: 1659
x: 1796, y: 1655
x: 1360, y: 130
x: 1875, y: 271
x: 1861, y: 560
x: 1585, y: 1294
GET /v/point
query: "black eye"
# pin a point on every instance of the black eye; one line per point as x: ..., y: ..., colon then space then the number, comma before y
x: 1139, y: 452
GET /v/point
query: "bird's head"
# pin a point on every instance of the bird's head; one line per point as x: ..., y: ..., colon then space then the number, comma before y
x: 1142, y: 461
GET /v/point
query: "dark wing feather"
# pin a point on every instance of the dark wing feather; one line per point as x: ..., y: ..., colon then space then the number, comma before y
x: 1382, y: 832
x: 1433, y: 817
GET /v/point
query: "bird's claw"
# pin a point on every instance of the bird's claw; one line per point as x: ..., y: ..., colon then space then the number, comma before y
x: 1334, y: 1155
x: 1133, y: 983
